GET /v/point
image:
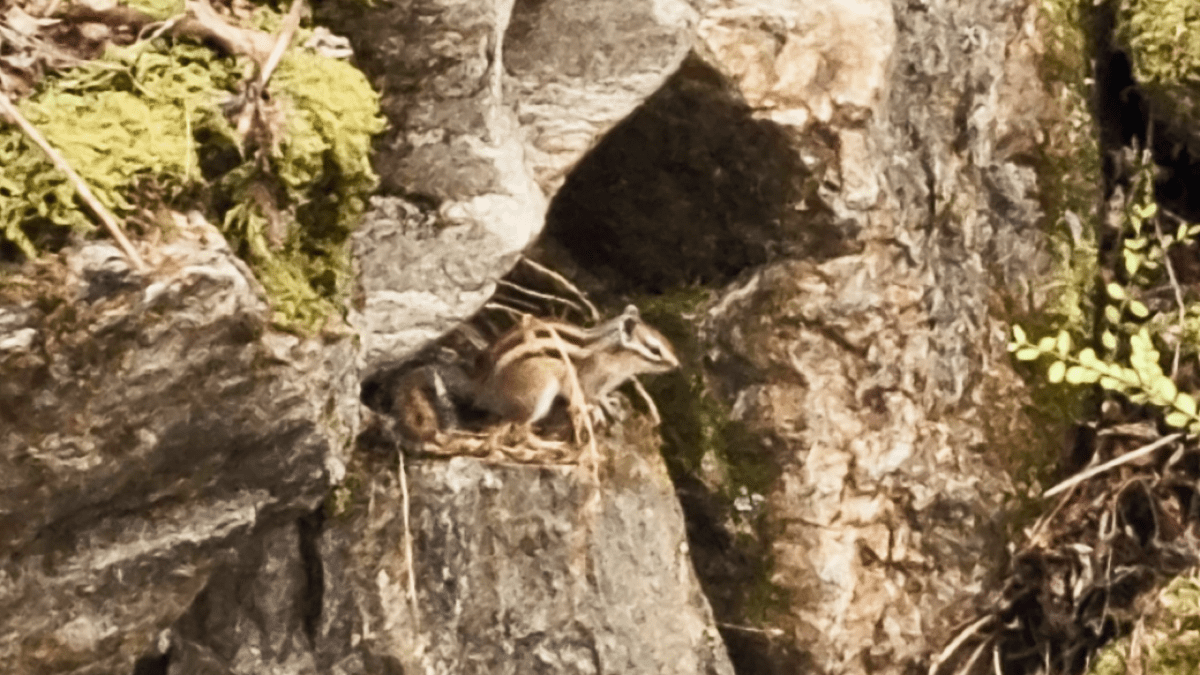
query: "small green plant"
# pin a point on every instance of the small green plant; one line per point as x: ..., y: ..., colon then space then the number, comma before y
x: 1170, y: 643
x: 1129, y: 363
x: 1142, y: 381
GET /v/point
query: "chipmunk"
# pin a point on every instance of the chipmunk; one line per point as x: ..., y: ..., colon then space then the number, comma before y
x: 522, y: 373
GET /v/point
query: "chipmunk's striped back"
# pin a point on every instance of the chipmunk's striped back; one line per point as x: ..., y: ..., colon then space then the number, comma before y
x: 522, y: 373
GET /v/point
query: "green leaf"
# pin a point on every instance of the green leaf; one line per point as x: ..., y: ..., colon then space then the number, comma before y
x: 1163, y: 389
x: 1063, y: 343
x: 1132, y: 262
x: 1178, y: 420
x: 1109, y: 340
x: 1027, y: 354
x: 1057, y: 370
x: 1186, y: 404
x: 1115, y: 291
x: 1046, y: 345
x: 1087, y: 357
x: 1140, y: 341
x: 1018, y: 333
x: 1136, y: 244
x: 1148, y: 210
x: 1138, y: 309
x: 1081, y: 375
x: 1112, y: 314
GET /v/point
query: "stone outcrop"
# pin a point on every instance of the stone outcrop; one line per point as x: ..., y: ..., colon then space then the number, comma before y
x: 153, y: 425
x: 184, y: 490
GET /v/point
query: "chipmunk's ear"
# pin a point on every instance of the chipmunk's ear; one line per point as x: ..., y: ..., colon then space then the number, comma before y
x: 631, y: 311
x: 628, y: 324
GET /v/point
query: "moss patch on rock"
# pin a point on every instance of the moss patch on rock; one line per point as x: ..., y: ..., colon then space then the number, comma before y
x: 147, y: 127
x: 1162, y: 38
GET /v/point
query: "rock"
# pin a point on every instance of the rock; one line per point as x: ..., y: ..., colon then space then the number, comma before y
x: 517, y: 568
x: 151, y: 426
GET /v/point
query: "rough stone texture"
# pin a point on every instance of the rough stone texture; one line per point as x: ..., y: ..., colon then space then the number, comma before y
x: 574, y: 69
x: 876, y: 381
x: 516, y: 568
x: 167, y: 454
x: 418, y: 280
x: 490, y: 105
x: 151, y: 424
x: 868, y: 381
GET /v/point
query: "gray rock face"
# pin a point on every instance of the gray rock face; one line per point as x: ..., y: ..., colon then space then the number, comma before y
x: 150, y: 427
x: 491, y: 105
x: 165, y: 456
x: 516, y: 568
x: 550, y: 575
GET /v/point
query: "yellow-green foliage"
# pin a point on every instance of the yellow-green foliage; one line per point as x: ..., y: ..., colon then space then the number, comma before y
x: 332, y: 115
x: 159, y: 9
x: 322, y: 160
x: 1171, y: 642
x: 1163, y: 37
x: 150, y: 113
x: 125, y: 117
x: 1163, y: 41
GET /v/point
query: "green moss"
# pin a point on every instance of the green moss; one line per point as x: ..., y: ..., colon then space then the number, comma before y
x: 1068, y: 164
x: 151, y: 115
x: 128, y: 117
x: 1162, y: 38
x: 703, y: 443
x: 1171, y: 643
x: 159, y: 9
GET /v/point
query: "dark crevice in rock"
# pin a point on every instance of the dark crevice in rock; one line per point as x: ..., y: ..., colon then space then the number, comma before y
x: 152, y: 664
x: 726, y: 571
x: 1126, y: 119
x: 689, y: 189
x: 313, y: 595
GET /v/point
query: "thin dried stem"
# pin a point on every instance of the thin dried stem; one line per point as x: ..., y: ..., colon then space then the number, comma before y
x: 408, y: 544
x: 288, y: 30
x: 595, y: 315
x: 770, y: 632
x: 542, y: 296
x: 81, y: 187
x: 578, y: 404
x: 1115, y: 462
x: 957, y: 642
x: 1178, y: 298
x: 637, y: 386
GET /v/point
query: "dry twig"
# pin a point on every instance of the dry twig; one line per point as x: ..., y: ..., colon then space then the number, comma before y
x: 565, y: 284
x: 408, y: 544
x: 957, y: 642
x: 542, y: 296
x: 637, y: 386
x: 1178, y: 299
x: 1115, y: 462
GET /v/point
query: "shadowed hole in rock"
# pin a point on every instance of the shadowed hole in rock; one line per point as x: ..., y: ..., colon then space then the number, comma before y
x: 689, y: 189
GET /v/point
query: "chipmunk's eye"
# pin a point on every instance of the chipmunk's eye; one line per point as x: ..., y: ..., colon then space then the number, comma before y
x: 655, y: 351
